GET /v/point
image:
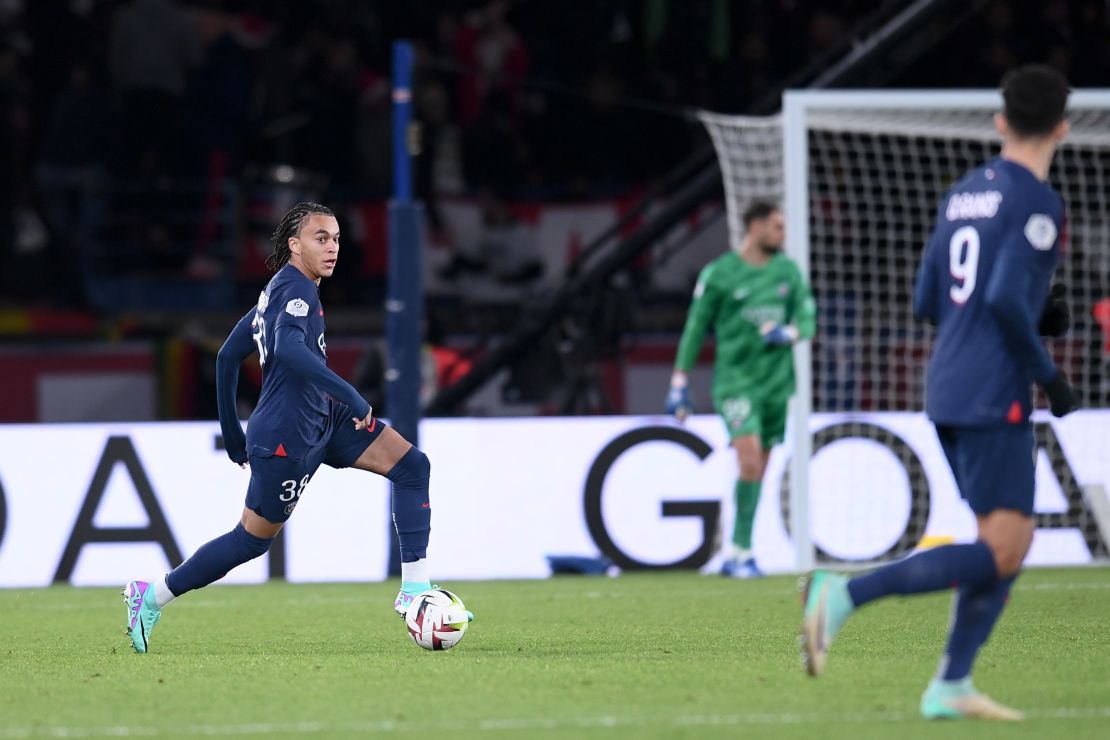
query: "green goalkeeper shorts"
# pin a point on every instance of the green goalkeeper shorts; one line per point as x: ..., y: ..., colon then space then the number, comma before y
x: 744, y: 416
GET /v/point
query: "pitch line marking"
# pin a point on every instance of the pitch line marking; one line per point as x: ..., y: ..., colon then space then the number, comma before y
x: 516, y: 724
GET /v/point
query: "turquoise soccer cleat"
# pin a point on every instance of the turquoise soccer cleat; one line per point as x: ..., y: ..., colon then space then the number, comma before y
x: 405, y: 596
x: 959, y: 700
x: 142, y: 613
x: 827, y: 606
x: 409, y: 592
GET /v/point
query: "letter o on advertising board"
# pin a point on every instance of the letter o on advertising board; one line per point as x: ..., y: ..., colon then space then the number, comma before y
x: 914, y: 528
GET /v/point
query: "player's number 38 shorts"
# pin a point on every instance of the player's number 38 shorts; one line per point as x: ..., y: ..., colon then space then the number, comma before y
x: 277, y: 483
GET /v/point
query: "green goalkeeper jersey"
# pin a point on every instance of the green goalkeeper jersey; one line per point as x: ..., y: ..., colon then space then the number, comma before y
x: 737, y: 298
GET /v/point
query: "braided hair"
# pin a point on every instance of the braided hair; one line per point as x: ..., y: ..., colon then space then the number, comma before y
x: 289, y: 227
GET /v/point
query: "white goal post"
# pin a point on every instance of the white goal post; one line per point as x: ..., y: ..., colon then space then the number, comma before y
x: 860, y: 175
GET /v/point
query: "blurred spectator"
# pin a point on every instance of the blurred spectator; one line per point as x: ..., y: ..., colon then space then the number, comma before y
x: 439, y: 168
x: 494, y: 153
x: 541, y: 99
x: 23, y: 232
x: 1101, y: 313
x: 219, y: 92
x: 441, y: 365
x: 441, y: 160
x: 493, y: 58
x: 1091, y: 50
x: 218, y: 114
x: 153, y: 45
x: 373, y: 129
x: 1100, y: 384
x: 1001, y: 45
x: 71, y: 172
x: 346, y: 102
x: 826, y: 29
x: 504, y: 247
x: 9, y: 102
x: 521, y: 99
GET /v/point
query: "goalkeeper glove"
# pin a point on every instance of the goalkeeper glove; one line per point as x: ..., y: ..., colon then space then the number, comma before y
x: 778, y: 335
x: 1061, y: 397
x: 1056, y: 316
x: 678, y: 403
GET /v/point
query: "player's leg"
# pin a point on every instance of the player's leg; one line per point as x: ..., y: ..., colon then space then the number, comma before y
x: 743, y: 423
x: 249, y: 539
x: 1007, y: 458
x: 275, y: 487
x: 751, y: 461
x: 770, y: 420
x: 951, y: 694
x: 409, y: 471
x: 830, y: 598
x: 1009, y: 534
x: 382, y: 450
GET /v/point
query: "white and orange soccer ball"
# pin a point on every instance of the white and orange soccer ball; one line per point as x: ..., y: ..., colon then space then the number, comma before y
x: 436, y: 619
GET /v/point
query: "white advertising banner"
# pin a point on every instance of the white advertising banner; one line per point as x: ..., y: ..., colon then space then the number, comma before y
x: 99, y: 504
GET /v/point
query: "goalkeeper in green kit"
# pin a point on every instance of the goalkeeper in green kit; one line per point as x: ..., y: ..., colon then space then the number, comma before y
x: 758, y: 304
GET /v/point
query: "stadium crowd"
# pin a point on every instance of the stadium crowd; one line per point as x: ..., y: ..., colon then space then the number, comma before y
x: 146, y: 121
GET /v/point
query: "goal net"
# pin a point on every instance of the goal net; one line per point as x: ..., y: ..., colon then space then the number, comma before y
x: 860, y: 176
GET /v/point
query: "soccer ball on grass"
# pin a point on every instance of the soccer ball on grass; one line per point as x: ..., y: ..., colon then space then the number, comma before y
x: 436, y: 619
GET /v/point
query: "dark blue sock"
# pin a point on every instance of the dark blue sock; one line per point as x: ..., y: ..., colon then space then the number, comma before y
x: 412, y: 514
x: 933, y: 570
x: 215, y: 559
x: 977, y: 610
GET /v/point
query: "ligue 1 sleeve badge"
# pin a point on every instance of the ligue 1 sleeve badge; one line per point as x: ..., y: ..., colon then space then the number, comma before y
x: 296, y: 307
x: 1040, y: 231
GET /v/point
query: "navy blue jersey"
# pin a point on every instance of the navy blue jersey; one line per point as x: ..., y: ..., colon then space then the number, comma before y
x: 292, y: 411
x: 983, y: 281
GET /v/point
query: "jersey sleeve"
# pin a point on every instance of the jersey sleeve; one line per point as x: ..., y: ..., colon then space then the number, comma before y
x: 926, y: 287
x: 803, y: 309
x: 290, y: 348
x: 703, y: 312
x: 1019, y: 285
x: 238, y: 345
x: 296, y: 302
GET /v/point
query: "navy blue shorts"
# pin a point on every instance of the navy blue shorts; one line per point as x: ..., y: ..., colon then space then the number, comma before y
x: 277, y: 483
x: 994, y: 466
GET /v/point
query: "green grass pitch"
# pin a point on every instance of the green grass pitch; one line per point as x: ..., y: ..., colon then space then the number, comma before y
x: 640, y: 656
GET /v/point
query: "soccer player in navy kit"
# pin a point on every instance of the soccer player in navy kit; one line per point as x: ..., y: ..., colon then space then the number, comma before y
x: 984, y: 280
x: 306, y: 415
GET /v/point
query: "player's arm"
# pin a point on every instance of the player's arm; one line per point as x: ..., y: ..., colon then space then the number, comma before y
x: 925, y: 288
x: 925, y: 294
x: 291, y: 350
x: 702, y: 313
x: 804, y: 309
x: 237, y: 347
x: 1056, y: 316
x: 1014, y: 296
x: 801, y: 320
